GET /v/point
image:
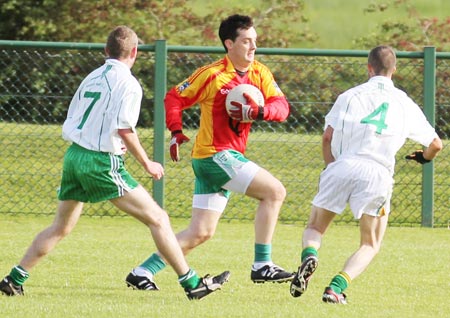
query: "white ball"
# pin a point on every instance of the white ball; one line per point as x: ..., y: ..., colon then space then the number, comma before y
x: 236, y: 94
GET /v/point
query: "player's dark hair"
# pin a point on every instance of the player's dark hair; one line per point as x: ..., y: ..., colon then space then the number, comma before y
x: 382, y: 59
x: 229, y: 27
x: 120, y: 42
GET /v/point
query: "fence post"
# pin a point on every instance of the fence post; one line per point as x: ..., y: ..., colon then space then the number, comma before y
x: 429, y: 84
x: 159, y: 115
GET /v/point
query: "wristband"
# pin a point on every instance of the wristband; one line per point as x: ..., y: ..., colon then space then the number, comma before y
x: 260, y: 115
x: 176, y: 132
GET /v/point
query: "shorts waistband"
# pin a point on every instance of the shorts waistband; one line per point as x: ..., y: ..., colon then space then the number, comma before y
x: 77, y: 146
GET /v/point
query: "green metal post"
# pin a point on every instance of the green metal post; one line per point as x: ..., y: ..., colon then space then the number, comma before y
x: 159, y: 115
x: 429, y: 110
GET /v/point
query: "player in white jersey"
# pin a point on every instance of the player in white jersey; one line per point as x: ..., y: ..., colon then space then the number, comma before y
x: 100, y: 125
x: 107, y: 100
x: 365, y: 128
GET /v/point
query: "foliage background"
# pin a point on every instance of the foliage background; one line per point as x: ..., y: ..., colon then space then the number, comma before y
x: 338, y: 24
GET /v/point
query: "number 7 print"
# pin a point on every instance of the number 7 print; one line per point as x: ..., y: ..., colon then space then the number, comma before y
x: 95, y: 97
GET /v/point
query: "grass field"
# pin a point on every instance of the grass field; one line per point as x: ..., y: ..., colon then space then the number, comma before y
x: 84, y: 276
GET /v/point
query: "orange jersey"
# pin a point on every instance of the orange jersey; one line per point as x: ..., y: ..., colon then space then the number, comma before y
x: 208, y: 86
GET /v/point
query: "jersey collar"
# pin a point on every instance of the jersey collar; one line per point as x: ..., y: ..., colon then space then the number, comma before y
x: 229, y: 67
x: 380, y: 78
x: 117, y: 63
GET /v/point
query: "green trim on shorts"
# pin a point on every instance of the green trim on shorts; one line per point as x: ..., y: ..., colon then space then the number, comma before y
x: 92, y: 176
x: 213, y: 172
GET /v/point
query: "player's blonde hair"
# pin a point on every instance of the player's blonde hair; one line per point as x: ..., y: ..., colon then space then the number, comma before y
x: 120, y: 42
x: 383, y: 60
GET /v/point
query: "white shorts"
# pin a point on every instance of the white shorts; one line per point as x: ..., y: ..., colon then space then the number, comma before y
x: 364, y: 184
x: 239, y: 183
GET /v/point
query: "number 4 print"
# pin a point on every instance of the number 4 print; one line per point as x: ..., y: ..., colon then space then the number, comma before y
x: 377, y: 118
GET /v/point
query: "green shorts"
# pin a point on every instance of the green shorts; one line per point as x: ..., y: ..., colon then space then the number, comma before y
x: 92, y: 176
x: 213, y: 172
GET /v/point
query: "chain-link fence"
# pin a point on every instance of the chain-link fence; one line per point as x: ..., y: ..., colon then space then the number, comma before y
x: 37, y: 83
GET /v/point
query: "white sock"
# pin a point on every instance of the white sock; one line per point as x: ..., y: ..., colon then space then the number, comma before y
x: 258, y: 265
x: 141, y: 271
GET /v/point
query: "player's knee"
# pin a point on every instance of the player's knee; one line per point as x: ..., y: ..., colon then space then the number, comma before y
x: 373, y: 247
x: 313, y: 229
x: 60, y: 232
x: 278, y: 191
x: 159, y: 219
x: 200, y: 237
x: 194, y: 235
x: 376, y: 247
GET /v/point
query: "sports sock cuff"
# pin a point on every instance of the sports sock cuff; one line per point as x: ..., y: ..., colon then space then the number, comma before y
x: 154, y: 264
x: 339, y: 283
x: 189, y: 280
x: 346, y: 277
x: 263, y: 252
x: 19, y: 275
x: 307, y: 251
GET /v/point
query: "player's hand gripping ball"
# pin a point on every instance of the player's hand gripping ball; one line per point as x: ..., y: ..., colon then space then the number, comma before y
x: 244, y: 108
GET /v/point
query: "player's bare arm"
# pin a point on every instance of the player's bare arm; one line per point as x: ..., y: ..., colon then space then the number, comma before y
x: 326, y: 145
x: 133, y: 145
x: 433, y: 149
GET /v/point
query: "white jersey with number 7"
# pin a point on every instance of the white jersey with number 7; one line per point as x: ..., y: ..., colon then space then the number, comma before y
x: 373, y: 120
x: 108, y: 99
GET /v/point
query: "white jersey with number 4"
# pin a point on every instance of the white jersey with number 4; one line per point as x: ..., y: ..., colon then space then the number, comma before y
x: 108, y: 99
x: 373, y: 120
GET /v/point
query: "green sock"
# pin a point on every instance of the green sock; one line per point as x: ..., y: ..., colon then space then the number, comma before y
x: 340, y: 282
x: 189, y: 280
x: 263, y: 252
x: 154, y: 264
x: 308, y: 251
x: 18, y: 275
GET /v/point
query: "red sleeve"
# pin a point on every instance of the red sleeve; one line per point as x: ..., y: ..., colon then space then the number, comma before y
x: 276, y: 106
x: 276, y: 109
x: 184, y: 95
x: 173, y: 105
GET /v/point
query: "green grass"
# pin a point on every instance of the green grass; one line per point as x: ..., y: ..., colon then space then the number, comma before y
x: 84, y: 275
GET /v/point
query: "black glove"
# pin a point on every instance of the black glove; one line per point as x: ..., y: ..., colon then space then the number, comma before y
x: 417, y: 156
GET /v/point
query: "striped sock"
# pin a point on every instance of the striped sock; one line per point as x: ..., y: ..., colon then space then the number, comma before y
x: 189, y: 280
x: 18, y: 275
x: 340, y: 282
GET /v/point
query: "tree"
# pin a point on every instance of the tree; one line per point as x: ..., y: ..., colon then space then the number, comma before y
x: 172, y: 20
x: 410, y: 35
